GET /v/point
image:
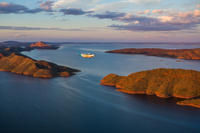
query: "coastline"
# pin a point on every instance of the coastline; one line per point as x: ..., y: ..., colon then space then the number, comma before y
x: 163, y: 83
x: 13, y: 61
x: 186, y: 54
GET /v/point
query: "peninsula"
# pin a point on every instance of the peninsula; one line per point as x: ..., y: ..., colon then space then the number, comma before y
x: 11, y: 60
x: 163, y: 83
x: 187, y: 54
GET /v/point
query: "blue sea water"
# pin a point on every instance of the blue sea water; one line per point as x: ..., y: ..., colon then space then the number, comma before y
x: 79, y: 104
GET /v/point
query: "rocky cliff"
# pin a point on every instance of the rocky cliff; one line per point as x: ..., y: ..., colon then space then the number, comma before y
x: 188, y: 54
x: 163, y: 83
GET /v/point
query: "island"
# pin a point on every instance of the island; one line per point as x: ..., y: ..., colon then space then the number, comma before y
x: 43, y: 45
x: 12, y: 60
x: 187, y: 54
x: 164, y: 83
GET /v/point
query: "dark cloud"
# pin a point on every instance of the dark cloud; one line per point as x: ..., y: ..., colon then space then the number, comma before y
x: 141, y: 19
x: 185, y: 21
x: 74, y: 11
x: 124, y: 17
x: 109, y: 15
x: 6, y: 8
x: 36, y: 28
x: 36, y: 10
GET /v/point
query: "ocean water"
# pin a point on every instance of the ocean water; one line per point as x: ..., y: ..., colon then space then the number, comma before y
x: 78, y: 104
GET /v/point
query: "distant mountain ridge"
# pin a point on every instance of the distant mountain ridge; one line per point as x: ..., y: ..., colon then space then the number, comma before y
x: 188, y: 54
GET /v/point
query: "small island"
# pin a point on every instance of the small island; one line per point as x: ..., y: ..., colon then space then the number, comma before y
x: 11, y: 60
x: 42, y: 45
x: 163, y: 83
x: 187, y: 54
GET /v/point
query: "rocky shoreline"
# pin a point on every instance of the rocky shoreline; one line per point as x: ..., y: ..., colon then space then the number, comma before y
x: 164, y: 83
x: 187, y: 54
x: 11, y: 60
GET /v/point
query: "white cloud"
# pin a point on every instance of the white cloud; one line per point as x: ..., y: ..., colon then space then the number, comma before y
x: 113, y: 6
x: 99, y: 5
x: 74, y: 3
x: 143, y: 1
x: 165, y: 18
x: 60, y: 3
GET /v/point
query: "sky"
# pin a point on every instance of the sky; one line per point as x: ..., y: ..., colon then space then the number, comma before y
x: 100, y: 20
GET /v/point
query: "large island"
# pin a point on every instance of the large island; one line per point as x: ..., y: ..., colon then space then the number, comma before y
x: 188, y: 54
x: 12, y: 60
x: 164, y: 83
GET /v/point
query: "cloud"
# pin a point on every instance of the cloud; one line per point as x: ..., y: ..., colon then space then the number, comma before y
x: 154, y: 27
x: 74, y: 11
x: 36, y: 28
x: 47, y: 5
x: 112, y: 6
x: 158, y: 11
x: 144, y: 1
x: 123, y: 5
x: 74, y: 3
x: 147, y: 20
x: 175, y: 22
x: 109, y: 15
x: 6, y: 8
x: 165, y: 18
x: 147, y: 11
x: 60, y: 3
x: 123, y: 17
x: 197, y: 13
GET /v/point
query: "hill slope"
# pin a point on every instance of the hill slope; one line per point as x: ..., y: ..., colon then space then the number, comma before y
x: 21, y: 64
x: 163, y: 83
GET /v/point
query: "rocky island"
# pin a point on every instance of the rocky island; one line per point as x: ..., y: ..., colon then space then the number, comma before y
x: 42, y: 45
x: 164, y: 83
x: 11, y: 60
x: 187, y: 54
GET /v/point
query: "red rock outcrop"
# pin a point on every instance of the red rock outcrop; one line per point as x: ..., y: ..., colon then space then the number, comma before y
x: 39, y: 45
x: 42, y: 45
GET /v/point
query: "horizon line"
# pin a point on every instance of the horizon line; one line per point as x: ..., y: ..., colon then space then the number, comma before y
x: 100, y: 42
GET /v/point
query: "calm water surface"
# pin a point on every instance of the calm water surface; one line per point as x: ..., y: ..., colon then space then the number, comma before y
x: 80, y: 105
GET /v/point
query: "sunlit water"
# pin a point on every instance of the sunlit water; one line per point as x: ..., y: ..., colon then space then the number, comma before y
x: 80, y: 105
